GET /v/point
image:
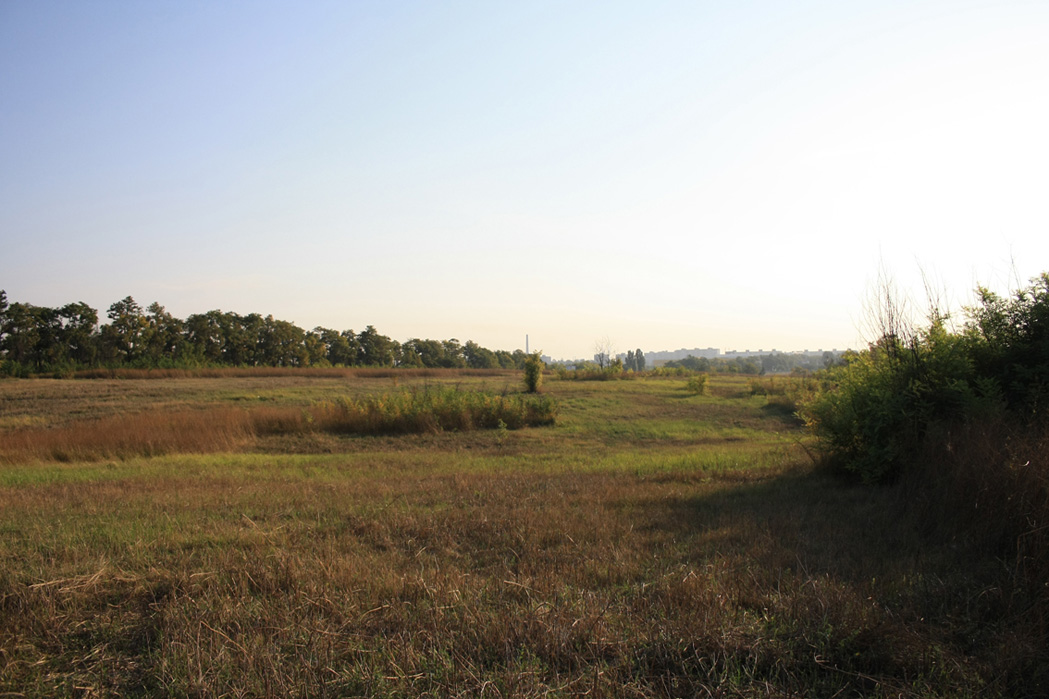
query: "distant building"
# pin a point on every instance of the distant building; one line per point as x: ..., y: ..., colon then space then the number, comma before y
x: 658, y: 358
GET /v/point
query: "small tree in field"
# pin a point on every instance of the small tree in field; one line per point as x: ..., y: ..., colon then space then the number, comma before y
x: 533, y: 372
x: 603, y: 352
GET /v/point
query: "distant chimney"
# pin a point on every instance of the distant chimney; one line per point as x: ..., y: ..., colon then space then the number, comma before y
x: 526, y: 345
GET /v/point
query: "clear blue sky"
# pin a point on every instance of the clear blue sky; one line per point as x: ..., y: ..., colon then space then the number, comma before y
x: 664, y: 174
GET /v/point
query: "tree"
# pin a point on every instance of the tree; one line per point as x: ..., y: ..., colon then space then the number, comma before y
x: 316, y: 348
x: 453, y: 354
x: 283, y: 343
x: 409, y: 356
x: 340, y: 349
x: 427, y: 353
x: 20, y: 333
x: 377, y: 350
x: 79, y: 323
x: 245, y: 339
x: 505, y: 359
x: 162, y: 335
x: 478, y: 357
x: 122, y: 337
x: 203, y: 333
x: 348, y: 354
x: 603, y: 351
x: 639, y: 360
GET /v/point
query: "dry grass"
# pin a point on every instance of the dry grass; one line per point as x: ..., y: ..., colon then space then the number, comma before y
x: 985, y: 487
x: 273, y: 372
x: 51, y: 402
x: 145, y: 434
x: 652, y: 544
x: 514, y: 584
x: 415, y: 411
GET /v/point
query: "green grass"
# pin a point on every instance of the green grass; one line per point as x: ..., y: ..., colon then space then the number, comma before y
x: 649, y: 544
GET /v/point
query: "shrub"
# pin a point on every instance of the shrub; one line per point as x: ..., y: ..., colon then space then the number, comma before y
x: 885, y: 400
x: 430, y: 411
x: 1011, y: 344
x: 697, y: 385
x: 533, y: 372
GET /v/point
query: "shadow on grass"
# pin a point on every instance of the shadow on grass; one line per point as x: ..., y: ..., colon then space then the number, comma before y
x: 844, y: 592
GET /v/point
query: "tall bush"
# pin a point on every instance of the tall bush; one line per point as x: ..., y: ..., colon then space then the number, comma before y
x: 884, y: 400
x: 1012, y: 344
x: 533, y: 372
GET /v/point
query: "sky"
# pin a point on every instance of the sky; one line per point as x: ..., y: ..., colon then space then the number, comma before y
x: 658, y: 174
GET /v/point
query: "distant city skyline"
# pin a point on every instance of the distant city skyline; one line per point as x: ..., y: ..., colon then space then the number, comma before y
x: 706, y: 352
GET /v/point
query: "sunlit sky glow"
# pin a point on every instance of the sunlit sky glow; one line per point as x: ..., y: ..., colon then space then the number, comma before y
x: 671, y: 174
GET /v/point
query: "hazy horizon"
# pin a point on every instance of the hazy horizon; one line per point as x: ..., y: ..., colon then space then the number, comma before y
x: 667, y: 176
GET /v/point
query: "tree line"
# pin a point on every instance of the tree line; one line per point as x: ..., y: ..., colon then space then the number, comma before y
x: 38, y: 339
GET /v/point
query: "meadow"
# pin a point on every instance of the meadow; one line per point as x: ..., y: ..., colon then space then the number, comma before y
x: 656, y: 540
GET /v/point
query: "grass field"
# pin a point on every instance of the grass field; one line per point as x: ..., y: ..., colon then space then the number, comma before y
x: 650, y: 543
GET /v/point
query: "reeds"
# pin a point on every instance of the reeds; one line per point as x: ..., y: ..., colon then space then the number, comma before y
x: 432, y: 410
x: 413, y: 411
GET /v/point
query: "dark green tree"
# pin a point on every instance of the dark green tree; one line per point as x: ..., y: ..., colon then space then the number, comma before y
x: 162, y: 336
x: 340, y: 349
x: 283, y: 343
x: 505, y: 359
x: 478, y: 357
x: 429, y: 353
x: 453, y: 354
x: 519, y: 358
x: 376, y: 349
x: 203, y: 336
x: 79, y: 332
x: 316, y: 348
x: 409, y: 356
x: 122, y: 337
x: 20, y: 334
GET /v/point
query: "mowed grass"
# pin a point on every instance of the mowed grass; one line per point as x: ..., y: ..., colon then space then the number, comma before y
x: 651, y: 543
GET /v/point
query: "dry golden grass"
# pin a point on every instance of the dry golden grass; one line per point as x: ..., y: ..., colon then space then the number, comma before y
x: 652, y: 544
x: 55, y: 402
x: 415, y: 411
x: 297, y: 372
